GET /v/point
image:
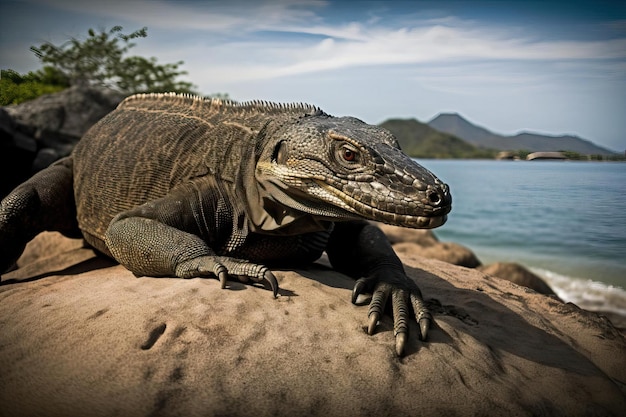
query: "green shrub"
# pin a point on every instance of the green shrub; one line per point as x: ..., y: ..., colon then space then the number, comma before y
x: 16, y: 88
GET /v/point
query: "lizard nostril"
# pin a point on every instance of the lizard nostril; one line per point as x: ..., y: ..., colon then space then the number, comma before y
x: 434, y: 198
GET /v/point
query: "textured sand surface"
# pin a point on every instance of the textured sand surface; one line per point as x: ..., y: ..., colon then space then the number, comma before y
x: 82, y: 336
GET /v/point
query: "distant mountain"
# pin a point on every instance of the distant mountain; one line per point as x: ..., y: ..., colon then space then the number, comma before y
x: 455, y: 124
x: 422, y: 141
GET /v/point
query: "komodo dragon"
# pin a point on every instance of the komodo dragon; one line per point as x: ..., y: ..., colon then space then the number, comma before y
x: 175, y: 185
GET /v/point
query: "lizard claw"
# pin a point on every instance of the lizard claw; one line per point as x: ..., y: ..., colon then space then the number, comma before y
x: 424, y: 325
x: 271, y: 279
x: 400, y: 343
x: 359, y: 287
x: 221, y: 273
x: 223, y: 276
x: 374, y: 317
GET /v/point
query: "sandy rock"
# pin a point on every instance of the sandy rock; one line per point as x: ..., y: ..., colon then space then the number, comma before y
x: 396, y: 234
x: 443, y: 251
x: 519, y: 275
x: 618, y: 320
x: 94, y: 340
x: 423, y: 242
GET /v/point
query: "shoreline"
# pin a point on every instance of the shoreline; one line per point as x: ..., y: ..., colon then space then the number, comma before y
x: 573, y: 280
x: 586, y: 292
x: 589, y: 294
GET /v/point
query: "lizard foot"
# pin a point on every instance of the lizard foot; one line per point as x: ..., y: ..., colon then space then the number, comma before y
x: 224, y: 267
x: 403, y: 300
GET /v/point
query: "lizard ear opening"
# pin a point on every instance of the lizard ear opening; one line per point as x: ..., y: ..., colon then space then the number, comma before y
x: 280, y: 153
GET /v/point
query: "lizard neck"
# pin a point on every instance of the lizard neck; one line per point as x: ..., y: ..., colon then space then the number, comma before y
x: 269, y: 209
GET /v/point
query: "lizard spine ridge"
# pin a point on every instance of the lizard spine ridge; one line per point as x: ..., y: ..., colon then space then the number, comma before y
x: 217, y: 104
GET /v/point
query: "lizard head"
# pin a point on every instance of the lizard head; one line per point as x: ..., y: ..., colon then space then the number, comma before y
x: 343, y: 168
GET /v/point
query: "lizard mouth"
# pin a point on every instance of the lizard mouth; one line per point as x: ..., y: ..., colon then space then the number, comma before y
x: 372, y: 213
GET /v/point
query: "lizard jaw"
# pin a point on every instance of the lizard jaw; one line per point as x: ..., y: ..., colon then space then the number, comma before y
x: 333, y: 204
x: 348, y: 203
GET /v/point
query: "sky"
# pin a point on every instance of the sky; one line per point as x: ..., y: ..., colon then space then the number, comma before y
x: 509, y: 66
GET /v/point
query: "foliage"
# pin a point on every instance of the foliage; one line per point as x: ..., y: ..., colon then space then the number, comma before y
x: 575, y: 156
x: 100, y: 60
x: 598, y: 157
x: 16, y: 88
x: 521, y: 153
x: 421, y: 141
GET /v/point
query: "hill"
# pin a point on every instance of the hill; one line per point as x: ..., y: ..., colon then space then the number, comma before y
x: 422, y: 141
x: 455, y: 124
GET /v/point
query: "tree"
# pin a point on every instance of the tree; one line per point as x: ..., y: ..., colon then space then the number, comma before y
x: 100, y: 60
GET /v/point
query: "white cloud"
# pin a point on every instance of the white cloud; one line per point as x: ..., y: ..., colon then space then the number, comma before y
x: 240, y: 52
x: 209, y: 16
x: 422, y: 59
x: 357, y: 46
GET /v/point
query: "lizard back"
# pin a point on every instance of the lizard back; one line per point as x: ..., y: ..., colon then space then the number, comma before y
x: 153, y: 142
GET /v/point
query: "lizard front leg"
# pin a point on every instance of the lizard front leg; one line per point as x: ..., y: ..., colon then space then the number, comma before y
x: 362, y: 251
x: 162, y: 238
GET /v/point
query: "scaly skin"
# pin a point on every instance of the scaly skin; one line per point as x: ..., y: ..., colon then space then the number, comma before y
x: 173, y: 185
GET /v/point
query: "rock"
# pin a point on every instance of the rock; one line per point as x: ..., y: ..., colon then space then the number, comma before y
x: 38, y: 132
x: 17, y: 152
x: 503, y: 155
x: 93, y: 339
x: 69, y: 112
x: 443, y: 251
x: 396, y: 234
x: 423, y: 242
x: 519, y: 275
x: 618, y: 320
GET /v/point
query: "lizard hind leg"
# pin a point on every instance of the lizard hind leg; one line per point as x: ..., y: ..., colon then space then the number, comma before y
x: 44, y: 202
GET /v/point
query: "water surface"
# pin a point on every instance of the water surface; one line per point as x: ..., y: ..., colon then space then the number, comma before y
x: 565, y: 220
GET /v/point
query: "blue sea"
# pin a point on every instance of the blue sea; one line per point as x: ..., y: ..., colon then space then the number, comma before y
x: 564, y: 220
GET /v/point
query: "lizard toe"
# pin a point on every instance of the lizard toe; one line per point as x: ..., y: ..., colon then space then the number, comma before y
x: 400, y: 303
x: 377, y: 305
x: 404, y: 298
x: 422, y: 314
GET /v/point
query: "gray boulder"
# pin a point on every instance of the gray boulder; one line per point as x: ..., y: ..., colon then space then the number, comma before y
x: 38, y: 132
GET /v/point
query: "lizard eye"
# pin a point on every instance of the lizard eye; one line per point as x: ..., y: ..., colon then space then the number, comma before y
x: 349, y: 154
